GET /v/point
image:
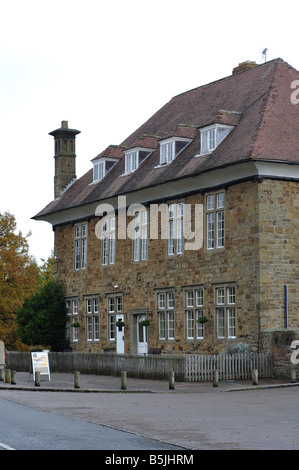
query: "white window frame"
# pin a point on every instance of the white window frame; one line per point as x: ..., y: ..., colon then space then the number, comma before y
x: 176, y: 229
x: 72, y: 306
x: 108, y: 241
x: 215, y: 228
x: 99, y: 170
x: 92, y: 319
x: 140, y: 243
x: 210, y: 137
x: 225, y: 308
x: 131, y: 161
x: 81, y: 246
x: 166, y: 315
x: 194, y: 307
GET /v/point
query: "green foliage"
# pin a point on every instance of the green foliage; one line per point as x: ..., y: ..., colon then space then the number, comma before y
x: 42, y: 318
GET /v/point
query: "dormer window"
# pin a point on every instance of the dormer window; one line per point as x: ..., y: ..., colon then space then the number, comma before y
x: 212, y: 136
x: 134, y: 157
x: 101, y: 167
x: 99, y: 170
x: 171, y: 148
x: 131, y: 162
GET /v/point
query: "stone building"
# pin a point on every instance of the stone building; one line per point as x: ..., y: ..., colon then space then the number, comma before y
x: 186, y: 232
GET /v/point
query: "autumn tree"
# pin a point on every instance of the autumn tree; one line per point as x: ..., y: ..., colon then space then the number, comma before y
x: 18, y: 277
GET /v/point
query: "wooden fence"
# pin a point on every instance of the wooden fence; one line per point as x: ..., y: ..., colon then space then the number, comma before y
x: 187, y: 367
x: 229, y: 366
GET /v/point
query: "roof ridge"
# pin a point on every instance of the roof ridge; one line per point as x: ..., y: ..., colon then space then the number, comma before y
x: 277, y: 60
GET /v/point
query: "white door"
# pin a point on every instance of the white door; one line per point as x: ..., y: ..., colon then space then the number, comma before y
x: 142, y: 346
x: 120, y: 335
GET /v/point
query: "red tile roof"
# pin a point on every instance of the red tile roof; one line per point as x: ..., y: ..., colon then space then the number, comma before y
x: 257, y: 102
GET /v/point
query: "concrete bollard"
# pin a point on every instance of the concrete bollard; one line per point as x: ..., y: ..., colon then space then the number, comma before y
x: 2, y: 374
x: 293, y: 375
x: 37, y: 378
x: 123, y: 380
x: 171, y: 380
x: 7, y: 376
x: 215, y: 378
x: 254, y: 376
x: 13, y: 377
x: 77, y: 379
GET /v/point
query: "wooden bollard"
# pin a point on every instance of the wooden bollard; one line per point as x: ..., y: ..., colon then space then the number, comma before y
x: 171, y: 380
x: 13, y: 377
x: 37, y: 378
x: 2, y: 373
x: 215, y: 378
x: 77, y: 379
x: 254, y: 376
x: 7, y: 376
x: 123, y: 380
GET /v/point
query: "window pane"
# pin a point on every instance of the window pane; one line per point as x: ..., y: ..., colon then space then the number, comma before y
x: 220, y: 322
x: 190, y: 324
x: 170, y: 325
x: 231, y: 322
x: 161, y: 325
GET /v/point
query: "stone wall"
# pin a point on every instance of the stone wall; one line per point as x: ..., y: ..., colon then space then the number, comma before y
x: 259, y: 258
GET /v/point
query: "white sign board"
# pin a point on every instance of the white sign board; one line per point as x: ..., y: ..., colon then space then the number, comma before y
x: 2, y: 354
x: 40, y: 363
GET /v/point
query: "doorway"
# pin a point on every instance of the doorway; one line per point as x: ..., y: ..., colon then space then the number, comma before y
x: 142, y: 342
x: 120, y: 335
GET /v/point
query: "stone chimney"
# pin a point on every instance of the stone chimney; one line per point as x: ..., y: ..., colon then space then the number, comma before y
x: 244, y: 66
x: 65, y: 157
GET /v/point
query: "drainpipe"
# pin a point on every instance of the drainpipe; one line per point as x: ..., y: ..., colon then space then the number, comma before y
x: 286, y: 306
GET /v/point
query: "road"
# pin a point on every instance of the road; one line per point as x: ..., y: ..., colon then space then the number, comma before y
x: 194, y: 416
x: 26, y: 428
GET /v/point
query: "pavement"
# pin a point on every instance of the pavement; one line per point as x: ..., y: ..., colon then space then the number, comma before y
x: 65, y: 382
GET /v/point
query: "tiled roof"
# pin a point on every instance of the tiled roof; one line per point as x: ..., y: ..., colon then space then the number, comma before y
x: 257, y: 102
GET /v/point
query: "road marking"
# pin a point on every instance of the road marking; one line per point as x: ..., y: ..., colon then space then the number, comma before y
x: 6, y: 447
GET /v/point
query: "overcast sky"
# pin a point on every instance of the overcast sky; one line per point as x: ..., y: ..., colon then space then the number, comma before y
x: 106, y: 67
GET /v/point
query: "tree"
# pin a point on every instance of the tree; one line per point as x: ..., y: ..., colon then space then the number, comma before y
x: 18, y: 277
x: 42, y: 318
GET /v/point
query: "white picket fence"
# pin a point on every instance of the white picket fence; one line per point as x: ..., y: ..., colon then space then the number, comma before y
x: 229, y: 366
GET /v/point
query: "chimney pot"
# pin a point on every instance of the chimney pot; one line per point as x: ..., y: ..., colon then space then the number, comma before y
x: 64, y: 124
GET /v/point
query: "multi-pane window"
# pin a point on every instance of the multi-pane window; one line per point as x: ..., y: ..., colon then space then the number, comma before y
x: 131, y: 162
x: 108, y: 241
x: 165, y: 309
x: 98, y: 171
x: 208, y: 140
x: 194, y: 310
x: 226, y: 322
x: 212, y: 136
x: 175, y: 229
x: 72, y: 332
x: 80, y: 246
x: 92, y: 319
x: 140, y: 247
x: 114, y: 307
x: 166, y: 152
x: 215, y: 220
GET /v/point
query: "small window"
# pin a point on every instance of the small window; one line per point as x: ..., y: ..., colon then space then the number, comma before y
x: 212, y: 136
x: 165, y: 311
x: 171, y: 148
x: 98, y: 171
x: 193, y: 310
x: 131, y: 162
x: 80, y: 246
x: 226, y: 321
